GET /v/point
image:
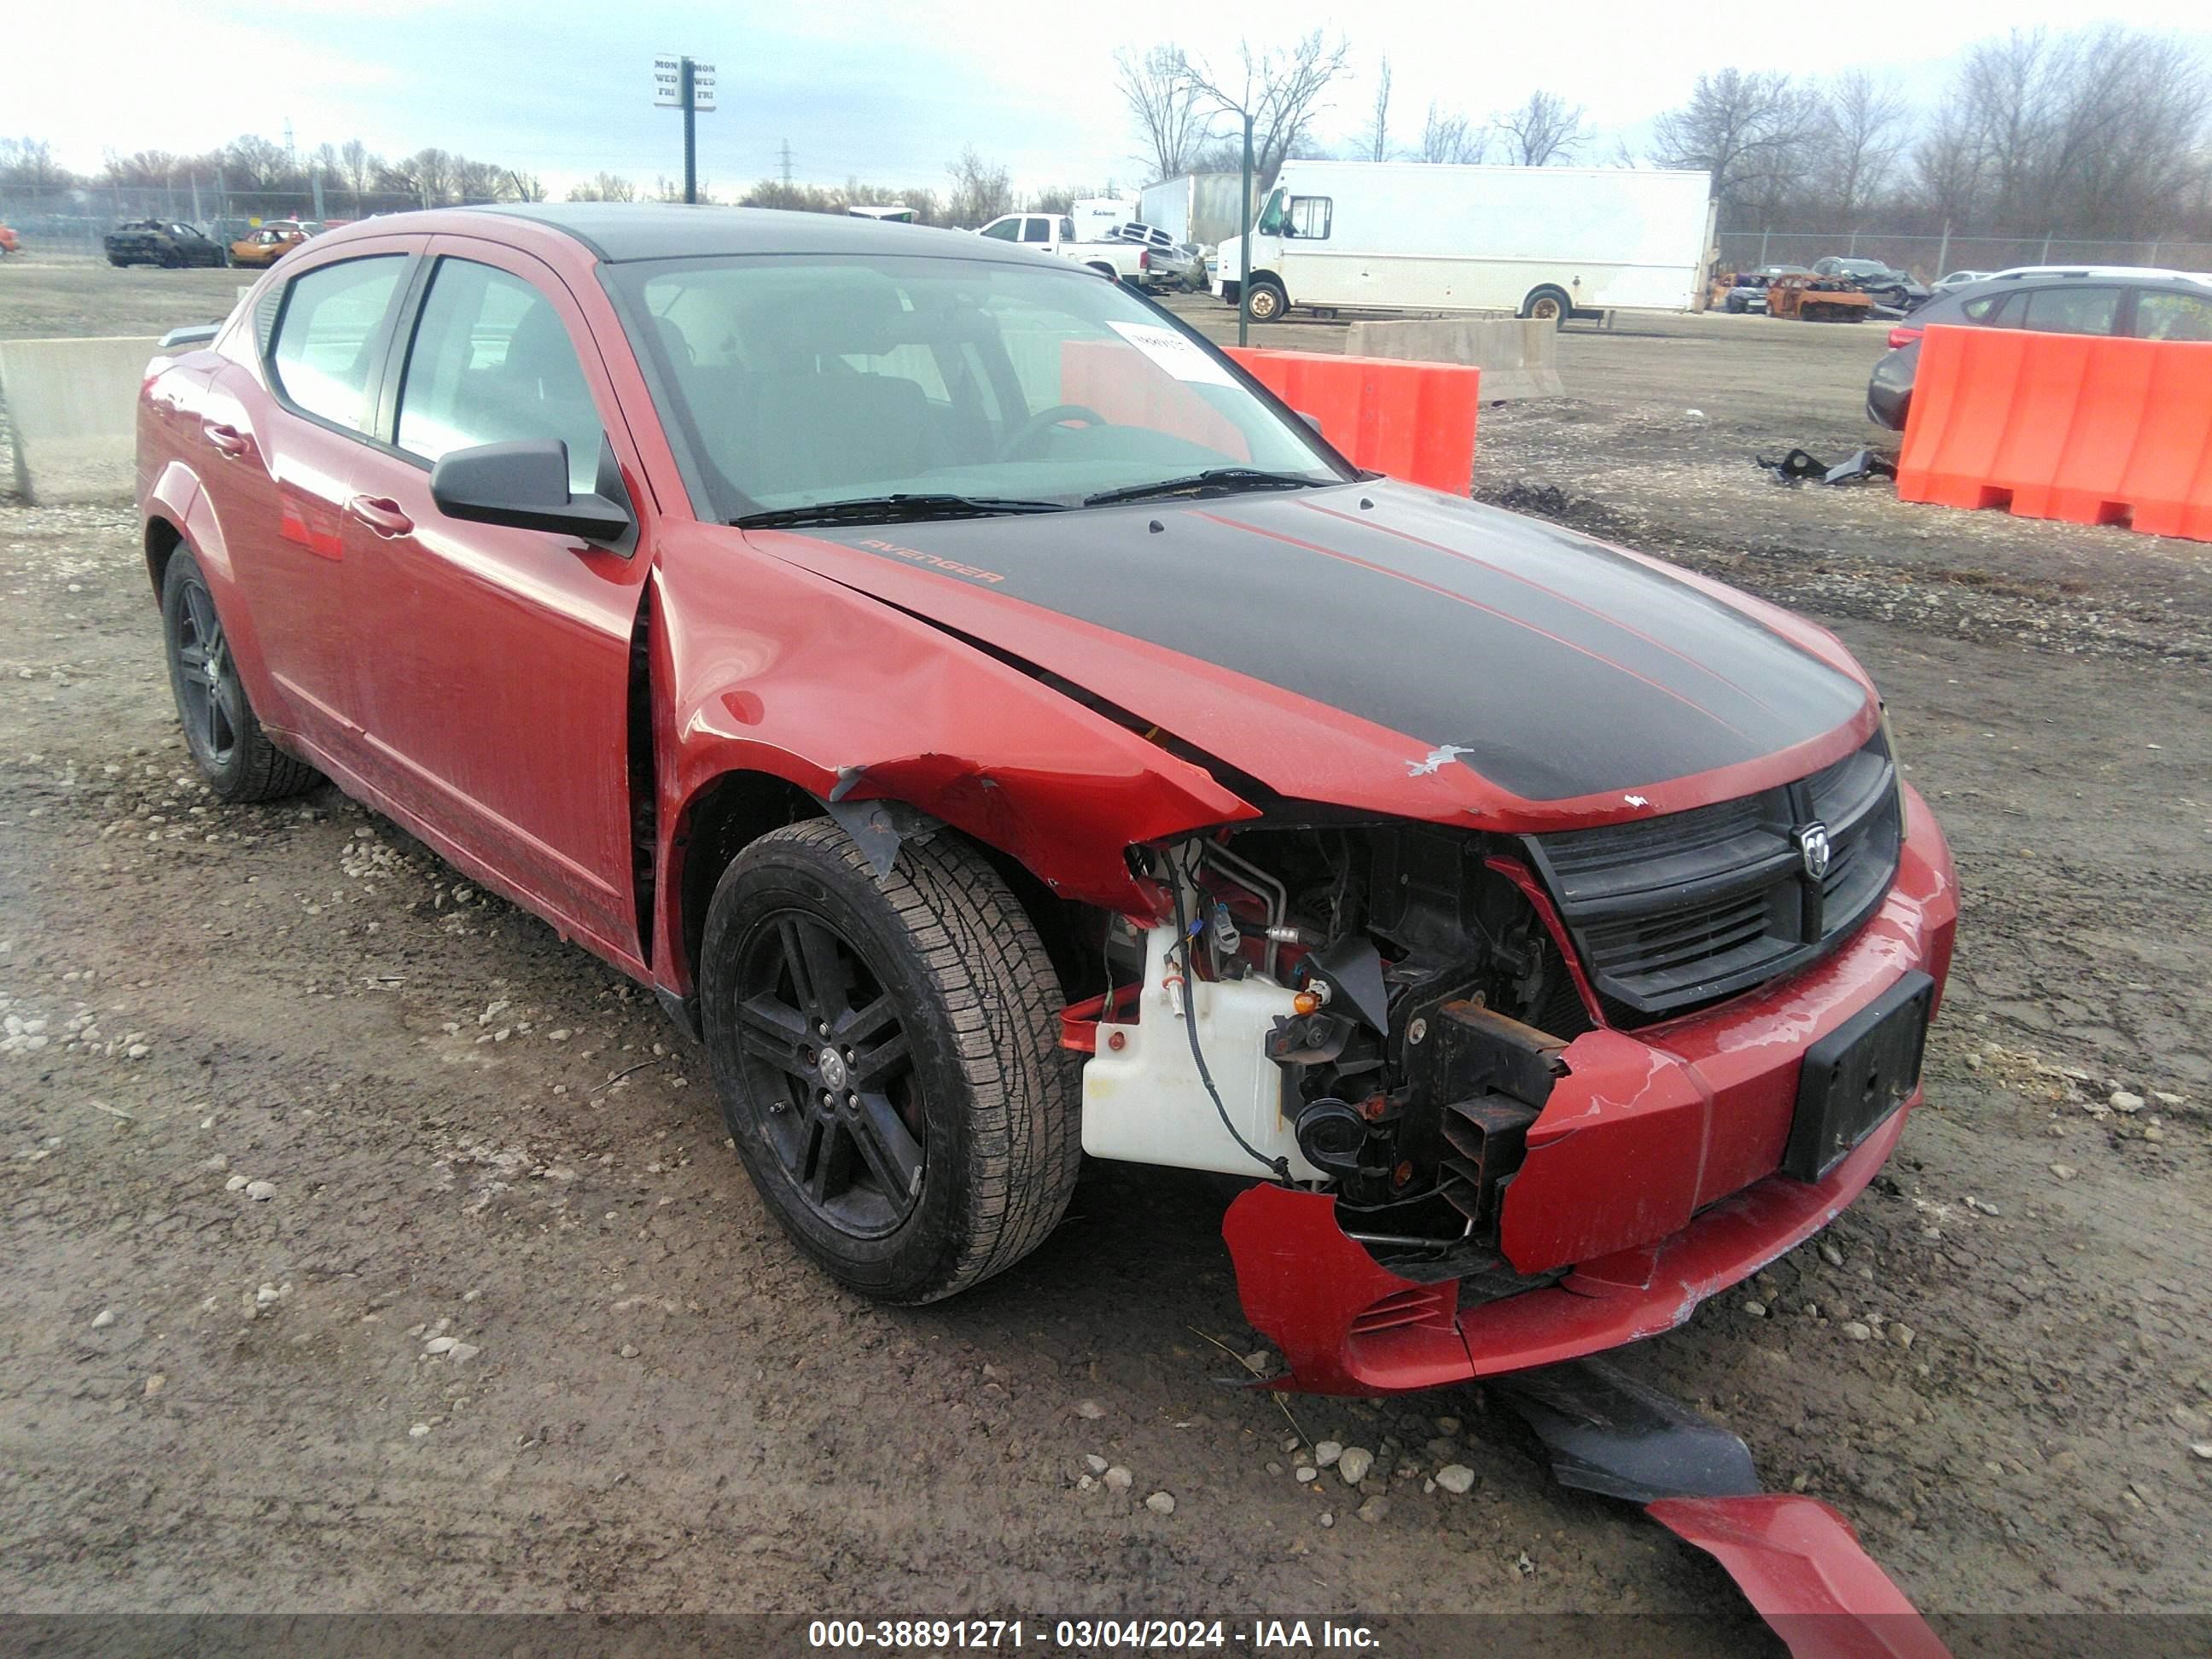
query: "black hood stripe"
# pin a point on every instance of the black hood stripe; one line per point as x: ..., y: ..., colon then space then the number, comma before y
x: 1704, y: 669
x: 1555, y: 667
x: 1604, y: 662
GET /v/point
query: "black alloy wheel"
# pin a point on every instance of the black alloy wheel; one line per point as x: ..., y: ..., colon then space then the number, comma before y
x: 208, y: 696
x: 830, y: 1078
x: 228, y: 745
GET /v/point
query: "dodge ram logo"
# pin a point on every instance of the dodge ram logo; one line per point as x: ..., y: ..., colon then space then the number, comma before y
x: 1815, y: 847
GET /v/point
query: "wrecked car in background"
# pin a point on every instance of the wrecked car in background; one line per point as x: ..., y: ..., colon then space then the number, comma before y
x: 1003, y: 731
x: 1889, y: 287
x: 1747, y: 289
x: 161, y: 242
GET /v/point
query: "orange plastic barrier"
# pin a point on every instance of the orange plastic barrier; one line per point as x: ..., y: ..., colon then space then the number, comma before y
x: 1129, y: 389
x: 1413, y: 421
x: 2064, y: 426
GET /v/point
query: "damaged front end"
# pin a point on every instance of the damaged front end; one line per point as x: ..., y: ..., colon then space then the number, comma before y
x: 1522, y: 1097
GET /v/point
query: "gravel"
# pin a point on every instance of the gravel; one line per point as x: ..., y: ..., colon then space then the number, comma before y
x: 1161, y: 1502
x: 1354, y: 1464
x: 1456, y: 1477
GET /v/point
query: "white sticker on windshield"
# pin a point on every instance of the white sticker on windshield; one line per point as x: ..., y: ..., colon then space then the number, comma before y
x: 1173, y: 353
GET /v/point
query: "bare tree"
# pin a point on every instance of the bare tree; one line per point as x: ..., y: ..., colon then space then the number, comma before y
x: 981, y: 191
x: 515, y: 186
x: 1449, y: 139
x: 1377, y: 142
x: 1861, y: 136
x: 1542, y: 130
x: 359, y: 168
x: 604, y: 187
x: 476, y: 181
x: 29, y: 164
x: 254, y: 164
x: 1280, y: 90
x: 1749, y: 131
x: 1166, y: 105
x: 145, y: 168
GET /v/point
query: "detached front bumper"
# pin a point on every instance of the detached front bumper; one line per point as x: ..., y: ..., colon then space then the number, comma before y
x: 1652, y: 1177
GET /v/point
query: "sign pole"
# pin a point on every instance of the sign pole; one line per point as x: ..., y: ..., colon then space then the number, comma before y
x: 690, y: 137
x: 1244, y: 249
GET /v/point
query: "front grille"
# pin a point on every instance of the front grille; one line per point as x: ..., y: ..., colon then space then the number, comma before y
x: 1679, y: 910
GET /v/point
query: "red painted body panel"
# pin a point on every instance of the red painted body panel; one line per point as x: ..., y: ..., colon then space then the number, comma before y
x: 1622, y: 1182
x: 1800, y: 1564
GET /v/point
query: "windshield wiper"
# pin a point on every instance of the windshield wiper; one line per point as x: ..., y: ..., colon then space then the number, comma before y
x: 892, y: 509
x: 1229, y: 480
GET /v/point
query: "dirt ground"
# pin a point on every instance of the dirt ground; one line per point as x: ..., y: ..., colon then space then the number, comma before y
x: 218, y: 1396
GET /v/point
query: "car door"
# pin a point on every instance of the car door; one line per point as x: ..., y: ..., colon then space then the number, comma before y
x: 497, y: 661
x: 282, y: 428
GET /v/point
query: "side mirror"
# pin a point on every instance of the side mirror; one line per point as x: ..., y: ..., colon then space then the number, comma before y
x: 524, y: 484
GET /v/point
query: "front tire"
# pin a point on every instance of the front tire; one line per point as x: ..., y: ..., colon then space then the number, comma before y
x: 888, y: 1060
x: 225, y: 740
x: 1268, y: 300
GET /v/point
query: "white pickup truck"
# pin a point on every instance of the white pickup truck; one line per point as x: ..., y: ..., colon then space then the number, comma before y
x: 1054, y: 233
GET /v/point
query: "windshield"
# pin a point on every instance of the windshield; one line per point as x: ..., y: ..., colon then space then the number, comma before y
x: 794, y: 381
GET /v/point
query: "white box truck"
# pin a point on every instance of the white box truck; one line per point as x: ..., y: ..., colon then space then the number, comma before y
x: 1543, y: 242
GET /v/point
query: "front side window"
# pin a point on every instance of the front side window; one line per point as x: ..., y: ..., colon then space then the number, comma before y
x: 1310, y: 217
x: 2072, y: 310
x: 1004, y: 230
x: 492, y: 362
x: 1067, y: 230
x: 328, y: 334
x: 1271, y: 216
x: 795, y: 380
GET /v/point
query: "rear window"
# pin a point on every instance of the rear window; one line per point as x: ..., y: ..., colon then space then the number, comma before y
x: 2169, y: 315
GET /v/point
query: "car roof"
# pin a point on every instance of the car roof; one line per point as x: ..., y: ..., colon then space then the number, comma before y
x: 619, y: 232
x: 1950, y: 300
x: 2014, y: 273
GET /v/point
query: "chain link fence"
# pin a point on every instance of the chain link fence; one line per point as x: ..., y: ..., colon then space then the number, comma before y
x: 69, y: 222
x: 1929, y: 257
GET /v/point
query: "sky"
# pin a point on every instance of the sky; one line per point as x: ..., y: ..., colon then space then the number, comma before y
x: 888, y: 93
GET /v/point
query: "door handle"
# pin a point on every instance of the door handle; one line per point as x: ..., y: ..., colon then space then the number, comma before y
x: 227, y: 439
x: 380, y: 513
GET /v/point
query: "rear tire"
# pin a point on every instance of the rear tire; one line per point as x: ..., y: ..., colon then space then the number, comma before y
x: 221, y: 730
x: 959, y: 1160
x: 1548, y: 304
x: 1269, y: 301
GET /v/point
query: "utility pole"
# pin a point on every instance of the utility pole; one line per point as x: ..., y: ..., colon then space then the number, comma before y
x: 1244, y: 246
x: 786, y: 164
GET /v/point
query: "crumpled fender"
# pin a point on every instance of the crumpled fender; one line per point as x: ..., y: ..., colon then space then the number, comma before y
x: 768, y: 668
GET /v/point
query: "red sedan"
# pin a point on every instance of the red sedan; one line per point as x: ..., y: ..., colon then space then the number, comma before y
x: 1002, y: 731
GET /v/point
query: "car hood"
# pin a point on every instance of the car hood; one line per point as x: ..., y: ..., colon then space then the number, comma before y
x: 1365, y: 643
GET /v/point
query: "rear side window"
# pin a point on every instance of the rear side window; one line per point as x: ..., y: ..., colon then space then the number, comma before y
x: 1036, y: 230
x: 1994, y: 310
x: 327, y: 336
x: 2172, y: 316
x: 2072, y: 310
x: 492, y: 362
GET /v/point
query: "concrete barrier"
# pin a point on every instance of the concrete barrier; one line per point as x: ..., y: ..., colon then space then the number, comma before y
x: 72, y: 415
x: 1519, y: 357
